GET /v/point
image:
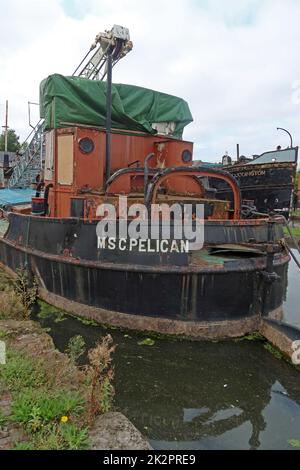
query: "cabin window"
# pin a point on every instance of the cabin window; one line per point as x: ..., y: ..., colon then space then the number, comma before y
x: 86, y: 145
x: 186, y: 156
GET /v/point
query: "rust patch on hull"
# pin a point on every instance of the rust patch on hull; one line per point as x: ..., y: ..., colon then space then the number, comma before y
x: 201, y: 330
x: 189, y: 329
x: 193, y: 330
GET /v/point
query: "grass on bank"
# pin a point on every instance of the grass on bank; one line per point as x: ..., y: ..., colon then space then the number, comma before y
x: 53, y: 417
x: 295, y: 231
x: 17, y: 296
x: 55, y: 413
x: 3, y: 421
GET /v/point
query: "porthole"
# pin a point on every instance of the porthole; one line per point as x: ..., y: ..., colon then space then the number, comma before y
x: 186, y: 156
x: 86, y: 145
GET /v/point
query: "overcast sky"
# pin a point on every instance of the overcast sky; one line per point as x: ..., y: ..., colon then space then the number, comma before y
x: 234, y: 62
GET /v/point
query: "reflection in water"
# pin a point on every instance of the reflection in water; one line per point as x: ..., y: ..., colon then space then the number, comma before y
x: 199, y: 395
x: 291, y: 306
x: 209, y: 395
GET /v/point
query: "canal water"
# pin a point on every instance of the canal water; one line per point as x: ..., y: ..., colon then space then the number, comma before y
x: 201, y: 395
x: 292, y: 303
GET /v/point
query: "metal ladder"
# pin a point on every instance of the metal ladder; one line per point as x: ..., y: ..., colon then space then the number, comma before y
x: 94, y: 67
x: 30, y: 159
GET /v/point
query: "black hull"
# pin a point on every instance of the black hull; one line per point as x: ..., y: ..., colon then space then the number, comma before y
x: 222, y: 297
x: 268, y: 187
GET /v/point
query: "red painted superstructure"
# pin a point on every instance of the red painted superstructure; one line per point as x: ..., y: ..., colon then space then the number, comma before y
x: 71, y: 173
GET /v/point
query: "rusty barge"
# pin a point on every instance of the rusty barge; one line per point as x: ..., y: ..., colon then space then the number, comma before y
x: 267, y: 181
x: 107, y: 145
x: 221, y: 289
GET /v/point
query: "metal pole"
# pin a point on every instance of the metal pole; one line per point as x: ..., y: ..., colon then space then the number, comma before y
x: 282, y: 129
x: 238, y: 152
x: 108, y: 116
x: 6, y: 127
x: 41, y: 149
x: 146, y: 174
x: 29, y: 113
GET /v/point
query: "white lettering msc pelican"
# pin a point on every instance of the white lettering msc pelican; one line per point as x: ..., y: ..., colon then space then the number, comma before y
x: 143, y: 246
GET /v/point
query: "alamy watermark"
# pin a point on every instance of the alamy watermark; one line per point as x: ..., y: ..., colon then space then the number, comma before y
x: 176, y: 228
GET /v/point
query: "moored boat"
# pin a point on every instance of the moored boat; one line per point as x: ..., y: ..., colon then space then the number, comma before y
x: 267, y: 181
x: 215, y: 278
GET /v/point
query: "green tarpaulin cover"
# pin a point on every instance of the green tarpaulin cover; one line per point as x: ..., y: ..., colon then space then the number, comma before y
x: 65, y: 100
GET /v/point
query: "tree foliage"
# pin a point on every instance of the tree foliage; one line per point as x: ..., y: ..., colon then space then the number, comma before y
x: 13, y: 141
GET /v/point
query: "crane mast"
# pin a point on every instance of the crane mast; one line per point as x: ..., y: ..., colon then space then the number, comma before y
x: 108, y: 47
x: 115, y: 42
